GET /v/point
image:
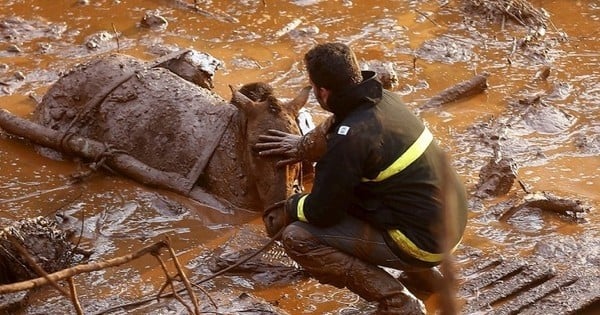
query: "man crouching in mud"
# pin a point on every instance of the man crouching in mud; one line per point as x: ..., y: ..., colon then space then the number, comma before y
x: 377, y: 196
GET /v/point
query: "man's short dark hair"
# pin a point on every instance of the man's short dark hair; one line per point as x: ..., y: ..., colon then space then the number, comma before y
x: 332, y: 66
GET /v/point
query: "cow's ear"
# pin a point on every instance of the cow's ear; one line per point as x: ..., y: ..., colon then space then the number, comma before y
x: 299, y: 101
x: 241, y: 101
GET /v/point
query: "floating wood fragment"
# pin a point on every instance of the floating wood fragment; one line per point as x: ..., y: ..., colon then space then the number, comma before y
x: 464, y: 89
x: 288, y: 28
x: 542, y: 74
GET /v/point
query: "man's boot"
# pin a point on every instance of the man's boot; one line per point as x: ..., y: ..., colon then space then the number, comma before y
x: 334, y: 267
x: 424, y: 282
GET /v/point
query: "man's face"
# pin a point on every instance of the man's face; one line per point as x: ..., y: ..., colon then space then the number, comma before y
x: 321, y: 94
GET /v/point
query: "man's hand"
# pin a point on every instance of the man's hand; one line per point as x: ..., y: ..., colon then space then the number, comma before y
x: 279, y: 143
x: 276, y: 220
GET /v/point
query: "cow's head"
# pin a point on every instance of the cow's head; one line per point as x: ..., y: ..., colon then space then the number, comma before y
x: 261, y: 111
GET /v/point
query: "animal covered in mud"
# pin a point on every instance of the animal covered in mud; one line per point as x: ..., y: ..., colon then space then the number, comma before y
x: 174, y: 123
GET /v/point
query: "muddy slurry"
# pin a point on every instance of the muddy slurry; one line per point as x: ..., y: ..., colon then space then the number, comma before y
x: 508, y: 88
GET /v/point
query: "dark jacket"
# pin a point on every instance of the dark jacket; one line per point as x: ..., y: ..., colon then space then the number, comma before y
x: 372, y: 129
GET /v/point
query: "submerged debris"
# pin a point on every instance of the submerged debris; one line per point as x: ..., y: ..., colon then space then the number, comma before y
x: 496, y: 178
x: 98, y: 40
x: 446, y: 49
x: 44, y: 242
x: 154, y: 20
x: 520, y: 11
x: 540, y: 116
x: 385, y: 72
x: 570, y: 208
x: 17, y: 30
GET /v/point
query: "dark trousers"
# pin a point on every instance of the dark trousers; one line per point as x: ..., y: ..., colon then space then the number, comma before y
x: 359, y: 239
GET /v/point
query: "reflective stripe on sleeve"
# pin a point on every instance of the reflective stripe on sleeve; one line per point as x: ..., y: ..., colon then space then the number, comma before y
x: 300, y: 209
x: 407, y: 158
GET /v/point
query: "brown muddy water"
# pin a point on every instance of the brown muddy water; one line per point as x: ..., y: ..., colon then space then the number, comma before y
x: 556, y: 146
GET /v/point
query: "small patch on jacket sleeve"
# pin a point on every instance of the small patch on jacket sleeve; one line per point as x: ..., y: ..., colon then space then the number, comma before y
x: 343, y: 130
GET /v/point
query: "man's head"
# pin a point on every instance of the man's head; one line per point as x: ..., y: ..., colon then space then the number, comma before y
x: 331, y: 67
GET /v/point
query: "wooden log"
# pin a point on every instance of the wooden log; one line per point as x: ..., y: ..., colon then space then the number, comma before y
x: 93, y: 150
x: 464, y: 89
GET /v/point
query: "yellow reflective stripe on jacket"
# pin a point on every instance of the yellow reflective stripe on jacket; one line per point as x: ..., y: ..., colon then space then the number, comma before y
x: 407, y: 158
x: 413, y: 250
x: 300, y: 209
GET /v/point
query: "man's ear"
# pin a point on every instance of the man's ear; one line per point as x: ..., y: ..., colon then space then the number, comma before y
x: 323, y: 93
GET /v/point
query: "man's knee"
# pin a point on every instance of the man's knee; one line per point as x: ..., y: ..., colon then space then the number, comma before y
x: 298, y: 240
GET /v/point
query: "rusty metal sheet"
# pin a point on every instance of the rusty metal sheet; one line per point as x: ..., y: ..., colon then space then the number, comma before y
x: 488, y: 277
x: 503, y: 290
x: 579, y: 297
x: 508, y: 286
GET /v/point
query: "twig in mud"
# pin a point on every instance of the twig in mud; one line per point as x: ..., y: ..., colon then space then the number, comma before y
x: 184, y: 279
x: 197, y: 283
x: 74, y: 298
x: 570, y: 209
x: 414, y: 62
x: 542, y: 74
x: 116, y: 36
x: 169, y: 282
x: 220, y: 16
x: 428, y: 18
x: 35, y: 194
x: 523, y: 186
x: 82, y: 227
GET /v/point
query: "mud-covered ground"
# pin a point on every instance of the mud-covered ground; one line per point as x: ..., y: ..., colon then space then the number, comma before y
x: 535, y: 129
